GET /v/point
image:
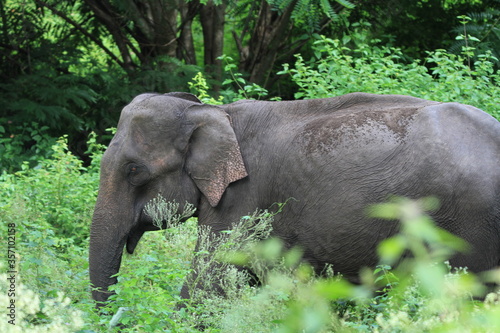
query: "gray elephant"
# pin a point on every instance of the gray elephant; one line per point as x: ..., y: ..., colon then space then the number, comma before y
x: 334, y: 156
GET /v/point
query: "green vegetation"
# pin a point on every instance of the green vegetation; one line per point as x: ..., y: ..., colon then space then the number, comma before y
x: 51, y: 224
x: 356, y: 63
x: 64, y: 78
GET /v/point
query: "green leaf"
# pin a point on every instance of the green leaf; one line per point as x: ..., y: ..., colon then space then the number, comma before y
x: 346, y: 4
x: 334, y: 289
x: 388, y: 211
x: 293, y: 257
x: 391, y: 249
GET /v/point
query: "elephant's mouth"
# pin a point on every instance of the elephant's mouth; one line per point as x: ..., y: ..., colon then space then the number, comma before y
x: 133, y: 239
x: 144, y: 224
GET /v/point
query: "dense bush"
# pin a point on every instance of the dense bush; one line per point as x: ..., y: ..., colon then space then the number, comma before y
x: 355, y: 64
x: 49, y: 207
x: 58, y: 192
x: 30, y: 143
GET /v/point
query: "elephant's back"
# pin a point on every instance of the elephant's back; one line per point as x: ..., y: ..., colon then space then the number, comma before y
x: 460, y: 146
x: 461, y: 137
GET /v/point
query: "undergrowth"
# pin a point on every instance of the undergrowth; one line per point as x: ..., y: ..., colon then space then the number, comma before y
x: 420, y: 294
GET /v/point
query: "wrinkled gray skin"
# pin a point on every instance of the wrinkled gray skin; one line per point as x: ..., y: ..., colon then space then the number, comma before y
x: 335, y: 156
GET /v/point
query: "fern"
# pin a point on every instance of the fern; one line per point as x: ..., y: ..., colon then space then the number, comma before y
x: 280, y: 5
x: 308, y: 14
x: 485, y: 27
x: 346, y: 4
x: 327, y: 9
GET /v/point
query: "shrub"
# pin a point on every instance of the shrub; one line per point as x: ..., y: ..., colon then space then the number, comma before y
x: 150, y: 294
x: 51, y: 205
x: 33, y: 315
x: 58, y: 191
x: 236, y: 87
x: 28, y: 142
x: 355, y: 64
x: 422, y: 293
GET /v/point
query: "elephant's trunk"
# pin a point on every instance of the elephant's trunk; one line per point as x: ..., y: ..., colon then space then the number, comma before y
x: 108, y: 235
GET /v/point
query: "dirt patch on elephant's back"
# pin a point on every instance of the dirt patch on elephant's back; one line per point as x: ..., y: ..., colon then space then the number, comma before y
x: 350, y: 128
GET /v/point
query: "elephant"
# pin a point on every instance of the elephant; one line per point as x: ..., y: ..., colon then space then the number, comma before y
x: 334, y: 156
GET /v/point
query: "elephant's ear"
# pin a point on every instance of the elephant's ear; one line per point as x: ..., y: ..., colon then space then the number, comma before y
x: 214, y: 159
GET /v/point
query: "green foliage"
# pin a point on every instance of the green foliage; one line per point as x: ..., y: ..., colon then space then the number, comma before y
x: 357, y: 64
x: 199, y: 87
x: 309, y: 14
x: 13, y: 150
x: 37, y: 107
x: 46, y: 98
x: 427, y: 296
x: 417, y: 26
x: 37, y: 86
x: 237, y: 87
x: 32, y: 315
x: 418, y: 234
x: 50, y: 206
x: 484, y: 27
x: 150, y: 281
x: 164, y: 266
x: 50, y: 190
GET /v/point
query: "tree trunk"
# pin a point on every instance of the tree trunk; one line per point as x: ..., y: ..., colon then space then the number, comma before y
x: 269, y: 36
x: 113, y: 22
x: 154, y: 27
x: 212, y: 21
x: 185, y: 49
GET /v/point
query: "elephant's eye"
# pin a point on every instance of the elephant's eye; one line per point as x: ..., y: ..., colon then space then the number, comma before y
x: 137, y: 174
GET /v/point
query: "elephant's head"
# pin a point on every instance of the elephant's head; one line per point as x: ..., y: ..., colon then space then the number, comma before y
x: 171, y: 145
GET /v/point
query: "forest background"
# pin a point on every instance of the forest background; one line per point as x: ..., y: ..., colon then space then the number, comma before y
x: 67, y: 68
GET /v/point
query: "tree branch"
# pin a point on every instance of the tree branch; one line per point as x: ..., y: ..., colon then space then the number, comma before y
x: 5, y: 26
x: 103, y: 11
x: 82, y: 30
